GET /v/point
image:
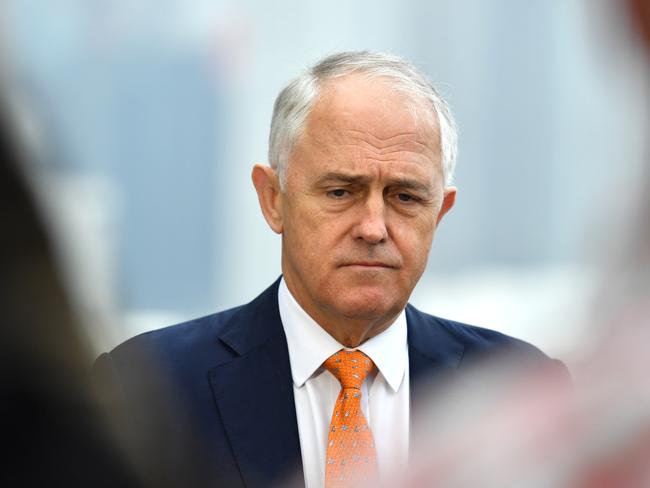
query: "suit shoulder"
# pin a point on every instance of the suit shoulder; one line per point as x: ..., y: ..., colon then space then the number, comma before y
x: 481, y: 337
x: 479, y: 341
x: 185, y: 336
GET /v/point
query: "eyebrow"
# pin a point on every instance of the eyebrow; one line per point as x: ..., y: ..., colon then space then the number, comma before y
x: 352, y: 179
x: 343, y: 177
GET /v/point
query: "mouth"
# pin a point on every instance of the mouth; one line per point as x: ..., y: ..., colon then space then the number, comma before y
x: 368, y: 265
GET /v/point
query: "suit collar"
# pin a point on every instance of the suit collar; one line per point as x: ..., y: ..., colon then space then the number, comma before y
x: 432, y: 348
x: 310, y: 345
x: 253, y: 391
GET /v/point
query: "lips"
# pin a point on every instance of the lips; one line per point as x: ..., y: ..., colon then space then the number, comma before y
x: 369, y: 264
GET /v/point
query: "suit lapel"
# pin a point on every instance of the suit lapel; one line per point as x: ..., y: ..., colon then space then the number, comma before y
x: 254, y: 394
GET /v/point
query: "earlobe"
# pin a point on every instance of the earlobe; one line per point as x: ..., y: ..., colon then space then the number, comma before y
x: 448, y: 201
x: 269, y: 195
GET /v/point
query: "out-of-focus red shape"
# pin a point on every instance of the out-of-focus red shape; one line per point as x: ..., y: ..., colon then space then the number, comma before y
x: 627, y: 469
x: 639, y: 11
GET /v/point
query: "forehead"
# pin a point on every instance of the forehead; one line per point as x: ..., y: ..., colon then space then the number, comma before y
x: 376, y: 102
x: 360, y: 120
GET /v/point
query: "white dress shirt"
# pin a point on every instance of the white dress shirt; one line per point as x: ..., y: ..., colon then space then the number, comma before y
x: 385, y: 395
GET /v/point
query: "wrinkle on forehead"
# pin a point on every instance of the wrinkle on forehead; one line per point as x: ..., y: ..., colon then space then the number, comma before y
x: 404, y: 142
x: 357, y: 146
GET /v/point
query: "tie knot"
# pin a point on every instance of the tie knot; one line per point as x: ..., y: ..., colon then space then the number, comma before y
x: 349, y: 367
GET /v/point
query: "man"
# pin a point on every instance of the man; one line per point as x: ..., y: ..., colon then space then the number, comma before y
x: 320, y: 370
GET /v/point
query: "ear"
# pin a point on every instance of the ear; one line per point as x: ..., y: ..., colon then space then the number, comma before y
x: 447, y: 202
x: 267, y: 186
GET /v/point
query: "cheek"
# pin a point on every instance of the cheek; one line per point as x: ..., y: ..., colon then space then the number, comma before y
x: 414, y: 241
x: 309, y: 236
x: 309, y: 222
x: 417, y: 253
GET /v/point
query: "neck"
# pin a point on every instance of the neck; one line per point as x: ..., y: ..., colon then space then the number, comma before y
x: 354, y: 333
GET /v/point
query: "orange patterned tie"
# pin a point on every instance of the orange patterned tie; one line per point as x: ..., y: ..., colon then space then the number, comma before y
x: 351, y: 456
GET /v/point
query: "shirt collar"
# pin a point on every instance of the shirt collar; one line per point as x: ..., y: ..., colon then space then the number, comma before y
x: 310, y: 345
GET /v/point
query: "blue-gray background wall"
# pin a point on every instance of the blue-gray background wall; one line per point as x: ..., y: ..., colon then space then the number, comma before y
x: 148, y: 119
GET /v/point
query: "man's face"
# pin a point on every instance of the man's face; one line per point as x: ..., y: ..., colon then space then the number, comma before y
x: 363, y: 197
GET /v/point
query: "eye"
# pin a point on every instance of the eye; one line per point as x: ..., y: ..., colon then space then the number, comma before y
x: 338, y: 193
x: 405, y: 197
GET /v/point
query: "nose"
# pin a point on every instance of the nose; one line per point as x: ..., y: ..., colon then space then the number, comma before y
x: 371, y: 226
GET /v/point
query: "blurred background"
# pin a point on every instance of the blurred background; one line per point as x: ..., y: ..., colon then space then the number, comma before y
x: 145, y: 119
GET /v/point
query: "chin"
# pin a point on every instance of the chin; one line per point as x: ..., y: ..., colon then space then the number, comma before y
x: 367, y: 304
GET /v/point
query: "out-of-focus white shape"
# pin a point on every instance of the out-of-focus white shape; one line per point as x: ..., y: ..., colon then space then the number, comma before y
x: 544, y: 305
x: 81, y: 211
x: 507, y: 426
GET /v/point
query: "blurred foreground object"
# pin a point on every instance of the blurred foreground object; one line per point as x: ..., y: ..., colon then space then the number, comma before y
x: 502, y: 427
x: 505, y: 429
x: 53, y: 433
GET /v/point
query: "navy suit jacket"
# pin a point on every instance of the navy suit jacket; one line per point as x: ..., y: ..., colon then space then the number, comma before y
x: 209, y: 402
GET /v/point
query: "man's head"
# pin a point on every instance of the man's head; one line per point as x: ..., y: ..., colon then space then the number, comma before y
x: 294, y: 103
x: 362, y: 150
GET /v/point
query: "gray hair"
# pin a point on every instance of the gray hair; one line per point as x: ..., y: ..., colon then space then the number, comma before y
x: 295, y: 101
